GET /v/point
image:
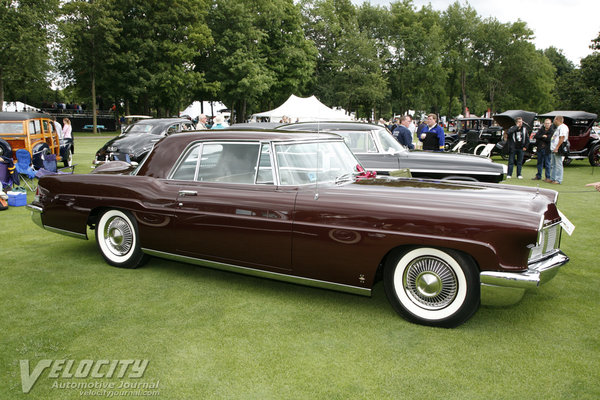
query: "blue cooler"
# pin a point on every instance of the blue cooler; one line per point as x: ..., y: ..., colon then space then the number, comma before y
x: 17, y: 199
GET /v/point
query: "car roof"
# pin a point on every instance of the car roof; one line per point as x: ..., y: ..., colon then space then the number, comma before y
x: 271, y: 135
x: 332, y: 125
x: 160, y: 121
x: 570, y: 114
x: 507, y: 118
x: 21, y: 116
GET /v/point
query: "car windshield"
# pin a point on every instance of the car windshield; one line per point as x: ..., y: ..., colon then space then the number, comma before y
x: 358, y: 141
x: 139, y: 128
x: 389, y: 144
x: 322, y: 161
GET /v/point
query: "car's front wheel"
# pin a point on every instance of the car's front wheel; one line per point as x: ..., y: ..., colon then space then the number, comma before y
x: 118, y: 239
x: 594, y: 156
x: 432, y: 286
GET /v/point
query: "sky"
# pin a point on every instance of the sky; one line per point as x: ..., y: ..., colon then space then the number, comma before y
x: 568, y: 25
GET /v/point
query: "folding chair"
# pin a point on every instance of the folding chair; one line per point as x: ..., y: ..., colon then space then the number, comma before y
x: 7, y: 170
x: 51, y: 168
x: 24, y: 168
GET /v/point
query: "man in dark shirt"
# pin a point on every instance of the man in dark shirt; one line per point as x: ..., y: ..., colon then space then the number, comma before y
x: 542, y: 142
x: 433, y: 136
x: 517, y: 142
x: 403, y: 134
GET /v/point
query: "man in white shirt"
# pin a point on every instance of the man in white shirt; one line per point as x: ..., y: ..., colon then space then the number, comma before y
x: 561, y: 134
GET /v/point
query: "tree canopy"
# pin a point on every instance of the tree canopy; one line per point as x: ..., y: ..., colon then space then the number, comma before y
x: 151, y: 56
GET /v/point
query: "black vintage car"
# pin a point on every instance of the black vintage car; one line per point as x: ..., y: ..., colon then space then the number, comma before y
x: 584, y: 142
x: 377, y: 150
x: 138, y: 138
x: 473, y: 134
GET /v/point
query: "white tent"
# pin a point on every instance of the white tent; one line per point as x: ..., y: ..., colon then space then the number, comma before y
x: 211, y: 108
x: 13, y: 106
x: 303, y: 109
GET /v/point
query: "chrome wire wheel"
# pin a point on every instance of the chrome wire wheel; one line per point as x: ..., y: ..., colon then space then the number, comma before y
x: 118, y: 236
x: 118, y: 240
x: 430, y: 282
x: 432, y: 286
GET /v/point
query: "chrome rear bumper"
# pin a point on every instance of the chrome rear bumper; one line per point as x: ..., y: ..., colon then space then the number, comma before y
x: 505, y: 288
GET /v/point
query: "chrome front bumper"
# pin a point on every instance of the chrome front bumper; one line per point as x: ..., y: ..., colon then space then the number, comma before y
x: 36, y: 214
x: 506, y: 288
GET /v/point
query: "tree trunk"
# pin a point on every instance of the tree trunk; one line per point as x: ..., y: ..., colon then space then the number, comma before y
x: 463, y: 86
x: 1, y: 90
x: 94, y: 120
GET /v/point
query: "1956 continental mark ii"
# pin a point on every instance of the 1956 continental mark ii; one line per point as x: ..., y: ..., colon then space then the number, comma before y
x: 299, y: 207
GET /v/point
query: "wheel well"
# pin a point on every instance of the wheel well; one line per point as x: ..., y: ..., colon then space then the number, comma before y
x: 94, y: 216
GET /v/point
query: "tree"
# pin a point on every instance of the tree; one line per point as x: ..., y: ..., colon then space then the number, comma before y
x: 459, y: 25
x: 415, y: 72
x: 158, y: 44
x: 25, y: 34
x: 89, y: 30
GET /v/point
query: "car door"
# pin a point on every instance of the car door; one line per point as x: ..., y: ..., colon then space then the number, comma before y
x: 230, y: 210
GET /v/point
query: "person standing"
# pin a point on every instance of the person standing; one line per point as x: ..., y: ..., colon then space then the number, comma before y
x: 57, y: 127
x: 542, y: 142
x: 561, y: 134
x: 201, y: 124
x: 432, y: 135
x: 517, y: 142
x: 67, y: 130
x: 402, y: 134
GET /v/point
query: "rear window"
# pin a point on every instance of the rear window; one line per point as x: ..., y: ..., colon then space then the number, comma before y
x: 11, y: 127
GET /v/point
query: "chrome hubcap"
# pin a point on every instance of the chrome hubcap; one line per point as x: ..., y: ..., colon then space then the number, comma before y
x: 118, y: 236
x: 430, y: 283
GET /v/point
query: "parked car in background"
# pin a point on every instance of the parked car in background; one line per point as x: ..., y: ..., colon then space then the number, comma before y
x: 472, y: 134
x: 378, y: 150
x: 299, y: 208
x: 34, y: 132
x: 138, y: 138
x: 584, y: 142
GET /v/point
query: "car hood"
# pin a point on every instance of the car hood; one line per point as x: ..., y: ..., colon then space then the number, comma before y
x: 131, y: 142
x: 459, y: 201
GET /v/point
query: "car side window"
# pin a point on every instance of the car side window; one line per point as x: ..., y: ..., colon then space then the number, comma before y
x: 265, y: 168
x: 229, y: 162
x: 187, y: 168
x: 226, y: 162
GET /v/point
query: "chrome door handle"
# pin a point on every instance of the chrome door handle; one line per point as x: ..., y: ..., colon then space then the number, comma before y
x: 184, y: 193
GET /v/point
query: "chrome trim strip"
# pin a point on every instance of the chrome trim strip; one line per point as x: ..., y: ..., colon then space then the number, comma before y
x: 36, y: 217
x: 438, y: 171
x: 260, y: 273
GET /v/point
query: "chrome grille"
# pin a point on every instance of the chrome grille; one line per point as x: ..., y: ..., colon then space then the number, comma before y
x: 548, y: 241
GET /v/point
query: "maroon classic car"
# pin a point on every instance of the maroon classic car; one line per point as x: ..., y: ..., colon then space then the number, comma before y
x: 298, y: 207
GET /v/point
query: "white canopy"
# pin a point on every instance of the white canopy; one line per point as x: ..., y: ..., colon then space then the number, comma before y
x: 304, y: 109
x: 195, y: 109
x: 14, y: 106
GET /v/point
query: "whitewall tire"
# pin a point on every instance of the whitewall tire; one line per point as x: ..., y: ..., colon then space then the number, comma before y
x: 118, y: 240
x: 432, y: 286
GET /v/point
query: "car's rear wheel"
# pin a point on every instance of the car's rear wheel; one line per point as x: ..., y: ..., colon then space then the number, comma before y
x: 432, y: 286
x: 118, y: 239
x: 594, y: 156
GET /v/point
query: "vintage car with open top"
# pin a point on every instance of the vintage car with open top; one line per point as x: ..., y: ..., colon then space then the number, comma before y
x: 298, y: 207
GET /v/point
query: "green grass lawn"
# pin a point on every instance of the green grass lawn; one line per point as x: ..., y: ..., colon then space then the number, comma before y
x: 213, y: 334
